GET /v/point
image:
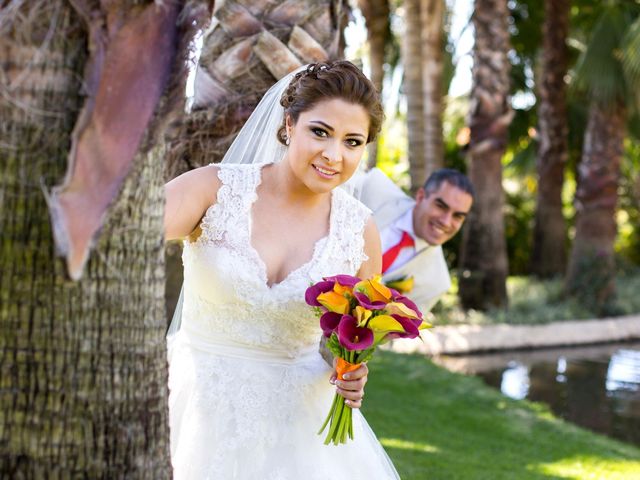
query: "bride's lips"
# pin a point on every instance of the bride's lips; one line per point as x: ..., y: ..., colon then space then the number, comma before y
x: 324, y: 172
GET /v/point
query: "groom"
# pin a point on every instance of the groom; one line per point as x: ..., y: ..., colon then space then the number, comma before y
x: 413, y: 230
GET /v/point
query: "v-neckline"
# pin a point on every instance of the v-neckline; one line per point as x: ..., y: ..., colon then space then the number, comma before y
x: 262, y: 266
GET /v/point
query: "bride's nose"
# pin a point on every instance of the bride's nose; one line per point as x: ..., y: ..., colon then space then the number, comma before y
x: 331, y: 152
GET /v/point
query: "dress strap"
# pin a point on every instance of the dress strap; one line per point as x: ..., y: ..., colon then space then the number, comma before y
x: 349, y: 221
x: 236, y: 194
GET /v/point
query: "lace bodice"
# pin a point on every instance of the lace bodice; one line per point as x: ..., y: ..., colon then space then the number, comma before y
x: 227, y: 299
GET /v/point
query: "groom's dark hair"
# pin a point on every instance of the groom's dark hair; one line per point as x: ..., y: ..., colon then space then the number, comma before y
x: 327, y: 81
x: 452, y: 177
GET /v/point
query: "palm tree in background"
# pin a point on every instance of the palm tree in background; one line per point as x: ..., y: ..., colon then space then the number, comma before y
x: 484, y: 264
x: 413, y: 84
x: 376, y: 15
x: 549, y: 256
x: 609, y: 72
x: 432, y: 20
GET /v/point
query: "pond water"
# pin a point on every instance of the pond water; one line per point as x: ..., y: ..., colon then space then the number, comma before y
x: 597, y: 387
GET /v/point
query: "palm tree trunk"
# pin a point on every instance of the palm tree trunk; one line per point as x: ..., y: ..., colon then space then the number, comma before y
x: 484, y: 263
x: 412, y: 62
x: 432, y: 18
x: 376, y: 14
x: 549, y: 255
x: 82, y: 363
x: 591, y: 272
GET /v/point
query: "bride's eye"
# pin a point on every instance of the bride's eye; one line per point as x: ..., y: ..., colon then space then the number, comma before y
x: 320, y: 132
x: 352, y: 142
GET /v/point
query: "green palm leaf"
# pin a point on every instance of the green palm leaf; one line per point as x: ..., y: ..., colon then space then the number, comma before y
x: 599, y: 71
x: 631, y: 59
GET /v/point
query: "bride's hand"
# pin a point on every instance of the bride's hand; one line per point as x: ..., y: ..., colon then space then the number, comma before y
x: 352, y: 387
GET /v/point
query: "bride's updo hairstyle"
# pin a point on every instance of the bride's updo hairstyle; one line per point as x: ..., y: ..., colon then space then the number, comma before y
x: 327, y: 81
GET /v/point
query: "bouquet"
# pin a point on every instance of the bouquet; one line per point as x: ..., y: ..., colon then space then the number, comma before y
x: 356, y: 316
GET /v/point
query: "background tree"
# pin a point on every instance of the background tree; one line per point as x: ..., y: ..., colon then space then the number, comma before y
x: 549, y: 254
x: 83, y: 389
x: 610, y: 84
x: 412, y: 83
x: 376, y: 15
x: 483, y: 262
x: 432, y: 51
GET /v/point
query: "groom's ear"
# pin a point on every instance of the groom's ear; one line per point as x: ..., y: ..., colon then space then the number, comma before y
x: 420, y: 195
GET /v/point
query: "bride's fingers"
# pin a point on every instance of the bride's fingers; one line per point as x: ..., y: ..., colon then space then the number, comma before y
x: 353, y: 398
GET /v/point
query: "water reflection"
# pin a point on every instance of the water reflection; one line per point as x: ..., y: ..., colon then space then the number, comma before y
x: 597, y: 387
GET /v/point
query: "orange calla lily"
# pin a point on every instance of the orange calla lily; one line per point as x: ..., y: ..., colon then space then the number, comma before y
x: 334, y: 302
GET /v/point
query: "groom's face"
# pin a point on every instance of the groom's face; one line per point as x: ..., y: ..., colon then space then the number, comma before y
x: 439, y: 215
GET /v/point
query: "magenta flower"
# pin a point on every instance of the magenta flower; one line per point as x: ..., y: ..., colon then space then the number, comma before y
x: 408, y: 303
x: 367, y: 303
x: 312, y: 293
x: 410, y: 327
x: 344, y: 280
x: 329, y: 322
x: 353, y: 337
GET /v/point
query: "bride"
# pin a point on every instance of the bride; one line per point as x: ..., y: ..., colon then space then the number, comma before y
x: 248, y: 387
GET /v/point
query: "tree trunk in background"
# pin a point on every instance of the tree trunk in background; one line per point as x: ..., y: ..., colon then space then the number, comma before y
x: 412, y: 62
x: 591, y: 272
x: 249, y: 46
x: 484, y: 263
x: 432, y: 18
x: 376, y: 14
x: 549, y: 254
x: 83, y: 370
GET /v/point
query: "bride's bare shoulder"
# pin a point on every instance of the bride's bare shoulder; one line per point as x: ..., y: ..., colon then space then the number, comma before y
x: 187, y: 198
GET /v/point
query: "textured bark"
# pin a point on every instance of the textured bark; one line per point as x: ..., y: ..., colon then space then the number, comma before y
x: 83, y: 377
x: 549, y: 254
x: 376, y: 15
x: 432, y: 18
x: 484, y: 263
x: 412, y: 61
x: 131, y: 55
x: 591, y: 272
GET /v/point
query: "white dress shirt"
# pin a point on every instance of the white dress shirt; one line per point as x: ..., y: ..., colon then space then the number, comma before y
x: 392, y: 234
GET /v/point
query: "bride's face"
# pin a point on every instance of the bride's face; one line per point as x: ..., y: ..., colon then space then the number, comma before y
x: 327, y: 143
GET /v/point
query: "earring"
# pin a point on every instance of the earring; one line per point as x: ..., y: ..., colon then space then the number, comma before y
x: 286, y: 140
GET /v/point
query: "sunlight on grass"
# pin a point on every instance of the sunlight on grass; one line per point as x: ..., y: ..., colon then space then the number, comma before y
x: 405, y: 445
x: 590, y: 467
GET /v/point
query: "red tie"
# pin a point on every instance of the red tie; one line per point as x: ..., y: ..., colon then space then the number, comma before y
x: 390, y: 255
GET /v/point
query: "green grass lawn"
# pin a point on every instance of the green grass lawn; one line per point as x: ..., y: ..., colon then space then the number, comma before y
x: 534, y: 301
x: 439, y: 425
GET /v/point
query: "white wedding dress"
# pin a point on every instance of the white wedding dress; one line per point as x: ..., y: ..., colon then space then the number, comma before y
x: 248, y: 387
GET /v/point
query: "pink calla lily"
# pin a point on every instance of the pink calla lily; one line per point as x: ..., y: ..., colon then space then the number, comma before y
x: 364, y: 301
x: 329, y: 322
x: 353, y: 337
x: 315, y: 290
x: 344, y: 280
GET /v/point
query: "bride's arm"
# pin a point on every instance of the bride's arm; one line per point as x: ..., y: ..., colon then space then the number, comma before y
x: 352, y: 387
x: 187, y: 199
